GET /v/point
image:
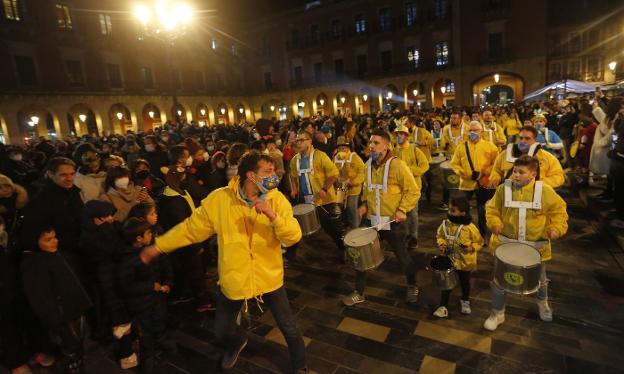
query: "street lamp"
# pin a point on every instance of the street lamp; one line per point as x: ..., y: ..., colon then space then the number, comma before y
x: 301, y: 104
x: 496, y: 78
x: 222, y: 110
x: 389, y: 95
x: 202, y: 111
x: 82, y: 117
x: 343, y: 99
x: 443, y: 89
x: 241, y: 110
x: 415, y: 92
x: 179, y: 112
x: 612, y: 65
x: 321, y: 102
x: 365, y: 97
x: 272, y: 107
x: 151, y: 114
x: 119, y: 115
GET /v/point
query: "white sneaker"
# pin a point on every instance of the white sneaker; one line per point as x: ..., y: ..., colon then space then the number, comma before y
x: 441, y: 312
x: 496, y: 318
x: 545, y: 312
x: 129, y: 362
x: 465, y: 306
x: 353, y: 298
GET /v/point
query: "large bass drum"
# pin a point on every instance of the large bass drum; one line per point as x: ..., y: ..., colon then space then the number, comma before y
x: 307, y: 217
x: 451, y: 180
x: 517, y: 268
x: 363, y: 249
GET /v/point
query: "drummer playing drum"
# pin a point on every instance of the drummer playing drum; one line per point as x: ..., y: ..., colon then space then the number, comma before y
x: 389, y: 192
x: 526, y: 211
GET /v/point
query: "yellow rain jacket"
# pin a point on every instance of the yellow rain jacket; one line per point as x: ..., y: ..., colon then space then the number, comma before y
x: 324, y: 168
x: 494, y: 133
x: 414, y: 158
x: 511, y: 124
x: 422, y: 135
x: 553, y: 215
x: 550, y: 171
x: 354, y: 170
x: 250, y: 253
x: 469, y: 237
x: 447, y: 144
x: 483, y: 154
x: 403, y: 192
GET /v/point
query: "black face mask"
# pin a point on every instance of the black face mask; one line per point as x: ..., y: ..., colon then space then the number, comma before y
x: 459, y: 220
x: 142, y: 174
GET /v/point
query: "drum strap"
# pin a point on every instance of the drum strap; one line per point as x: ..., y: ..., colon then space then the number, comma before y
x: 416, y: 135
x: 342, y: 162
x: 453, y: 237
x: 378, y: 187
x: 522, y: 206
x: 469, y: 157
x: 456, y: 139
x: 491, y: 131
x: 512, y: 159
x: 305, y: 172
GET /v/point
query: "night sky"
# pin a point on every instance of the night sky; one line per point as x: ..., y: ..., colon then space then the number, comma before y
x: 246, y: 10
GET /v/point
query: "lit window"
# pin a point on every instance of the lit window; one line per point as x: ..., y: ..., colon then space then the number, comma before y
x: 441, y: 9
x: 63, y: 17
x: 384, y: 19
x: 413, y: 57
x: 12, y: 10
x: 410, y: 14
x: 106, y: 26
x: 360, y: 24
x: 441, y: 54
x: 450, y: 87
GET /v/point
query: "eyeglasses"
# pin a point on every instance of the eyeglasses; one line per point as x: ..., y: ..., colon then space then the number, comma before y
x: 301, y: 140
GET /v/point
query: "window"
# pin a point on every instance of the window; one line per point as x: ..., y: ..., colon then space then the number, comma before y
x: 386, y: 61
x: 268, y: 81
x: 318, y: 72
x: 410, y: 14
x: 147, y: 78
x: 114, y: 75
x: 199, y: 80
x: 360, y: 24
x: 495, y: 45
x: 574, y: 69
x: 63, y: 17
x: 294, y: 38
x: 593, y: 69
x: 574, y: 45
x: 315, y: 34
x: 441, y: 54
x: 339, y: 66
x: 554, y: 72
x: 106, y: 26
x: 298, y: 75
x: 213, y: 43
x: 336, y: 29
x: 413, y: 57
x: 12, y: 10
x: 384, y: 19
x: 450, y: 87
x: 362, y: 64
x: 75, y: 77
x: 440, y: 9
x: 26, y: 71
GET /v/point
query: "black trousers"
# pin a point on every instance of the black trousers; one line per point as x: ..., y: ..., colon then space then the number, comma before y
x: 70, y: 339
x: 396, y: 238
x: 428, y: 179
x: 483, y: 195
x: 464, y: 282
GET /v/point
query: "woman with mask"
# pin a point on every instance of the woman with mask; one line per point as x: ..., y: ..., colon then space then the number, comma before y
x: 154, y: 154
x: 122, y: 193
x: 197, y: 171
x: 142, y: 177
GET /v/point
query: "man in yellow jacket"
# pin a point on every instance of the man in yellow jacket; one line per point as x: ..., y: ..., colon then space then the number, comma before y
x: 424, y: 140
x: 473, y: 161
x: 313, y: 175
x: 492, y: 131
x: 352, y: 174
x: 251, y: 220
x: 453, y: 135
x: 389, y: 193
x: 550, y: 170
x: 418, y: 164
x: 527, y: 211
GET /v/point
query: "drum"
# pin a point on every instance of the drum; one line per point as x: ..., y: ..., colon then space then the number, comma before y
x: 437, y: 159
x: 444, y: 275
x: 363, y: 249
x: 517, y: 268
x: 307, y: 217
x: 451, y: 180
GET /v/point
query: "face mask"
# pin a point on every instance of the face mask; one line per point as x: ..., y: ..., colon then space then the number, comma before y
x: 519, y: 184
x: 16, y: 157
x: 206, y: 156
x: 523, y: 146
x: 189, y: 161
x: 256, y: 136
x: 142, y: 174
x: 540, y: 128
x: 220, y: 165
x: 267, y: 184
x: 401, y: 138
x: 474, y: 136
x: 458, y: 219
x: 165, y: 139
x: 376, y: 156
x: 278, y: 142
x: 304, y: 150
x: 150, y: 147
x: 122, y: 183
x: 210, y: 148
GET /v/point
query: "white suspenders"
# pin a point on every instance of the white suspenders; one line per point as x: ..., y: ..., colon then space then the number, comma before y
x: 522, y: 206
x: 377, y: 218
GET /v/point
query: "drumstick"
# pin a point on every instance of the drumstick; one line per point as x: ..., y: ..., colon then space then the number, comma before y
x: 380, y: 225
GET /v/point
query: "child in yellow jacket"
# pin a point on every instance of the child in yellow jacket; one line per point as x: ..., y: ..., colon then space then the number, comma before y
x: 460, y: 239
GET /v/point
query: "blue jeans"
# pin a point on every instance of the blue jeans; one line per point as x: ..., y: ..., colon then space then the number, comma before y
x: 498, y: 294
x: 352, y: 214
x: 230, y: 337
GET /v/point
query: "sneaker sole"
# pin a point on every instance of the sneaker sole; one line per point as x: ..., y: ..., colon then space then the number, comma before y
x: 353, y: 303
x: 224, y: 367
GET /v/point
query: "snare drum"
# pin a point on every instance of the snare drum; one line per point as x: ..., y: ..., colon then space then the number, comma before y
x: 363, y: 249
x: 444, y: 275
x: 517, y: 268
x: 437, y: 159
x: 307, y: 217
x: 451, y: 180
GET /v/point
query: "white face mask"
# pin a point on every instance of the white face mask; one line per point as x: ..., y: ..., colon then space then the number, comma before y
x: 189, y: 161
x: 16, y: 157
x: 220, y: 165
x: 206, y: 156
x: 278, y: 142
x: 150, y: 147
x: 122, y: 183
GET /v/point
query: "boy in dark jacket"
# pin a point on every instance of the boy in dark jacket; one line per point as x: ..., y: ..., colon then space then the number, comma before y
x: 145, y: 288
x: 55, y: 295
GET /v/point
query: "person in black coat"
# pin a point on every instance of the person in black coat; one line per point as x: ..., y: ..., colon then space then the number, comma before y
x: 144, y: 288
x: 17, y: 168
x: 55, y: 295
x: 155, y: 155
x: 59, y: 204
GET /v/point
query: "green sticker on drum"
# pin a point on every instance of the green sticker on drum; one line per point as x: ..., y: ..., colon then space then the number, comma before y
x: 514, y: 279
x: 354, y: 253
x: 452, y: 179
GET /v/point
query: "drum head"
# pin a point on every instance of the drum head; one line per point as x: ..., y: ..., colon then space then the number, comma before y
x: 441, y: 263
x: 301, y: 209
x: 359, y: 237
x: 518, y: 254
x: 438, y: 159
x: 446, y: 165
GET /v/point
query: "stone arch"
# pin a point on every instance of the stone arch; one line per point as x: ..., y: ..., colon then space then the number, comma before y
x: 81, y: 120
x: 151, y: 116
x: 443, y: 92
x: 36, y: 120
x: 514, y: 81
x: 120, y: 118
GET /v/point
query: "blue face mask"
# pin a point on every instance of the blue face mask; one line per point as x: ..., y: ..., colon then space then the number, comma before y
x: 474, y: 136
x: 376, y: 156
x: 401, y: 138
x: 269, y: 183
x: 540, y: 128
x: 523, y: 146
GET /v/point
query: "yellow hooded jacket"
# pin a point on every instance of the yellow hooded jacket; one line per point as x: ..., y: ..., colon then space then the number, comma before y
x: 497, y: 133
x: 483, y: 154
x: 447, y: 144
x: 550, y: 171
x: 469, y: 238
x: 553, y: 215
x: 354, y: 170
x: 324, y: 168
x: 414, y: 158
x: 403, y: 192
x: 250, y: 253
x: 511, y: 123
x: 423, y: 136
